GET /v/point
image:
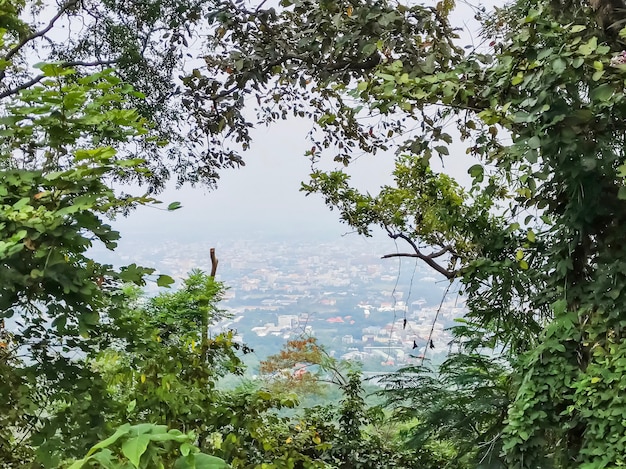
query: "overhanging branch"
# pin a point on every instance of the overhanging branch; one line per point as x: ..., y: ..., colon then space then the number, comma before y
x: 427, y: 258
x: 23, y: 86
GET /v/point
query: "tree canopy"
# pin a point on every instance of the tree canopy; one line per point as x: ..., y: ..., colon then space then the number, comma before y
x: 153, y: 90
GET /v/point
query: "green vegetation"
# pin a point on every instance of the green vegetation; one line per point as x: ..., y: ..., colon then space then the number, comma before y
x: 90, y: 368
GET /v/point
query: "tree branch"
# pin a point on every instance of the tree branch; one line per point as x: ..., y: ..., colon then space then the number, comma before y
x: 442, y: 270
x: 15, y: 49
x: 96, y: 63
x: 427, y: 258
x: 441, y: 252
x: 23, y: 86
x: 38, y: 78
x: 260, y: 6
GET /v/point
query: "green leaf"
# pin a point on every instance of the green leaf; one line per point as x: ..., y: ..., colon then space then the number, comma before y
x: 185, y: 448
x: 134, y: 448
x: 589, y: 47
x: 200, y: 461
x: 614, y: 293
x: 165, y: 281
x: 79, y: 464
x: 559, y: 65
x: 204, y: 461
x: 174, y: 206
x: 106, y: 459
x: 559, y: 307
x: 21, y: 203
x: 90, y: 318
x: 442, y: 150
x: 369, y: 49
x: 169, y: 436
x: 134, y: 274
x: 602, y: 92
x: 477, y: 170
x: 534, y: 142
x: 621, y: 193
x: 121, y: 431
x: 531, y: 236
x: 151, y: 428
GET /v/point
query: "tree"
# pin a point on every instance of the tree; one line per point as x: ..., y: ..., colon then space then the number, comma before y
x: 157, y: 363
x: 462, y: 406
x: 535, y: 242
x: 178, y: 55
x: 68, y: 135
x: 148, y: 45
x: 56, y: 165
x: 345, y: 433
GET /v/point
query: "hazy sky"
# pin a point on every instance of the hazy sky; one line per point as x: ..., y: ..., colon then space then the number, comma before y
x: 262, y: 197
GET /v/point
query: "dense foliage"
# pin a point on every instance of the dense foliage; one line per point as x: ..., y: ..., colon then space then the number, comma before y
x: 144, y: 91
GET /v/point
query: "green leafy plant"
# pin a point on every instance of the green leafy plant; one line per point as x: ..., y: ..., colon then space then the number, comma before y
x: 148, y: 446
x: 57, y: 166
x: 160, y: 362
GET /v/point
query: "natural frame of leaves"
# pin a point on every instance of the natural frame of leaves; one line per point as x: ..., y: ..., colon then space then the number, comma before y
x: 542, y: 112
x: 57, y: 167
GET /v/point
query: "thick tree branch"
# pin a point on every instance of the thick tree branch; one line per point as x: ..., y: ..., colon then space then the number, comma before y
x: 442, y: 270
x: 427, y: 258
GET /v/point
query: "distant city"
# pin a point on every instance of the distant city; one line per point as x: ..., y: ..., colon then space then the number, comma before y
x: 380, y: 312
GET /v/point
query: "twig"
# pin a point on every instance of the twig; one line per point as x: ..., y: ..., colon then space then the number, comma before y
x: 432, y: 329
x: 260, y: 6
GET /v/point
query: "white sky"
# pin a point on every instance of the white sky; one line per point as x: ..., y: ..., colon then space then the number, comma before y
x: 262, y: 197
